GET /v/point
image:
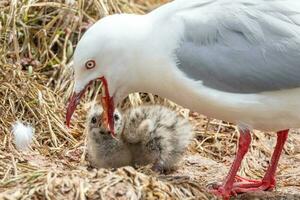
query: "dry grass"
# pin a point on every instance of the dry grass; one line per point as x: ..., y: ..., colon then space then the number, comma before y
x: 36, y: 44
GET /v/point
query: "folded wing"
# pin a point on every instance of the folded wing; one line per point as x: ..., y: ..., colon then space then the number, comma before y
x: 243, y: 46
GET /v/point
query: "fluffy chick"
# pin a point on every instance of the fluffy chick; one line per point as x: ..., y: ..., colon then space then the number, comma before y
x: 146, y: 135
x: 103, y: 150
x: 155, y: 134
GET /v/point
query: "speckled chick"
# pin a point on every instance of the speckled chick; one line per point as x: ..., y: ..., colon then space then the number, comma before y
x: 156, y: 134
x: 103, y: 150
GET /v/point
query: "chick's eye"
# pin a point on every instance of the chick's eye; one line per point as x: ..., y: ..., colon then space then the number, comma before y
x: 90, y: 64
x: 94, y: 120
x: 116, y: 117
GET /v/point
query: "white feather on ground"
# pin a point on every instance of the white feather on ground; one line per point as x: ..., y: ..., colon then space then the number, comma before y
x: 23, y: 135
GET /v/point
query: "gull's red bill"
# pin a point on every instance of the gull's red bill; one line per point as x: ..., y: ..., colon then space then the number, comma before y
x: 108, y: 108
x: 107, y: 103
x: 73, y: 102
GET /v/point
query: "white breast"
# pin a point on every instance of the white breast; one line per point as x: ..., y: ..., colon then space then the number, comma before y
x: 271, y: 111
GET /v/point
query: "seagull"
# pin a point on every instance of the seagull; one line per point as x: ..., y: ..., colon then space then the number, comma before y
x: 234, y: 60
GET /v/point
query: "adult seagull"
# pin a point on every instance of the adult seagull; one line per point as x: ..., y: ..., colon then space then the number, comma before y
x: 235, y: 60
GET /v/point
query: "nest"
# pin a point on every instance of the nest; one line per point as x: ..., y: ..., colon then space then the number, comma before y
x: 37, y: 42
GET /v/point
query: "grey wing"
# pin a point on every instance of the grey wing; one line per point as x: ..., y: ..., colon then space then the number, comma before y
x: 250, y: 49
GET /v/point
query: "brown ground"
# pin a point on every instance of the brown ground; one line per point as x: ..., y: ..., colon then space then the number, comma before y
x: 65, y: 173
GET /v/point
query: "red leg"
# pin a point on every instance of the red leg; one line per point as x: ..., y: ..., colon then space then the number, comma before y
x: 245, y: 185
x: 226, y: 187
x: 271, y: 171
x: 268, y: 182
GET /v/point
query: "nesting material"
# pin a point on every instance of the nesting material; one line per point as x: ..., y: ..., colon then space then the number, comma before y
x: 23, y: 135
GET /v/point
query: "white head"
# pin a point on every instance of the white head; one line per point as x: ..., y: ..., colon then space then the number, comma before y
x: 106, y: 52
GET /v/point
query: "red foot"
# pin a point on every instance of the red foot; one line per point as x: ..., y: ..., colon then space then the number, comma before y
x: 241, y: 186
x: 252, y: 186
x: 221, y: 191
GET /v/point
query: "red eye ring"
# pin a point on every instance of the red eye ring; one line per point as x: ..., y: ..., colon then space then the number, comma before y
x: 90, y: 64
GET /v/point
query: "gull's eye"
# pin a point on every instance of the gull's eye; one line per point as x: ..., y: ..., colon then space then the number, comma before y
x: 90, y: 64
x: 94, y: 120
x: 116, y: 117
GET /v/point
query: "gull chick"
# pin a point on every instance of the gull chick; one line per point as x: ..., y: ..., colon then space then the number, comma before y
x: 145, y: 135
x: 156, y: 134
x: 103, y: 150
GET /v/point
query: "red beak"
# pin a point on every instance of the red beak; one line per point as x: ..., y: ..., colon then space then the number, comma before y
x: 73, y: 102
x: 107, y: 103
x: 108, y: 107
